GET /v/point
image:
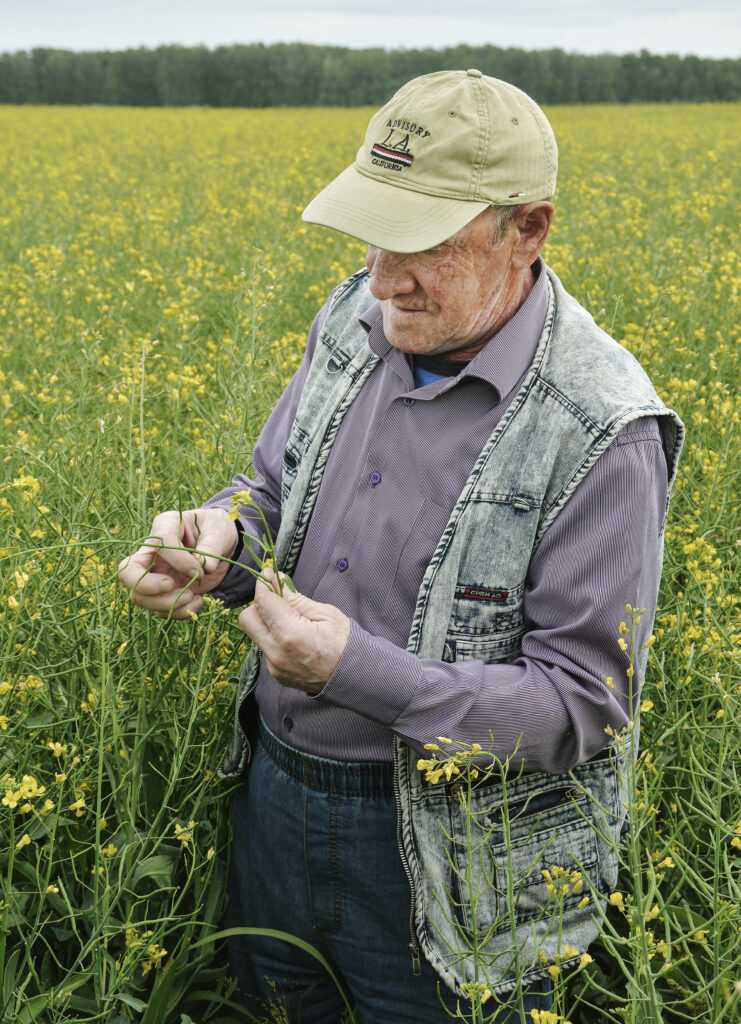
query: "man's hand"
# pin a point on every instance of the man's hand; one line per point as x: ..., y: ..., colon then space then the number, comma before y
x: 166, y: 578
x: 302, y: 640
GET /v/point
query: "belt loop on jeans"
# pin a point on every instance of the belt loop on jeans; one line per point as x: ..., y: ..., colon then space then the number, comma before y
x: 369, y: 779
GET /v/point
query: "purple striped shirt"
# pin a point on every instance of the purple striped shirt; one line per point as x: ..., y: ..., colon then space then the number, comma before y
x: 396, y: 469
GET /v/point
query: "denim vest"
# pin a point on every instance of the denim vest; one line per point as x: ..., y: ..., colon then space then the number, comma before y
x: 581, y: 388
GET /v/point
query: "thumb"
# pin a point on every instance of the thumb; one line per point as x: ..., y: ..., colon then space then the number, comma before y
x: 209, y: 562
x: 214, y: 539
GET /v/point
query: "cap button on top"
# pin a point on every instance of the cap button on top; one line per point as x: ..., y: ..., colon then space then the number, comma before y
x: 474, y: 73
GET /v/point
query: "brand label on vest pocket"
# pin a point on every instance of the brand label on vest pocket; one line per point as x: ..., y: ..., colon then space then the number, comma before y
x: 472, y: 592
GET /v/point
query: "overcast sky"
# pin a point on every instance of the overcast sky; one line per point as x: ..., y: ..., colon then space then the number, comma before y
x: 712, y: 29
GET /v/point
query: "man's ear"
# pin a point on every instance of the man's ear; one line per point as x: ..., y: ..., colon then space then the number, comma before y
x: 533, y: 223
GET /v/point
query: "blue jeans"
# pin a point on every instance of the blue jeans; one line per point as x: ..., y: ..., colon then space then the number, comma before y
x: 315, y: 854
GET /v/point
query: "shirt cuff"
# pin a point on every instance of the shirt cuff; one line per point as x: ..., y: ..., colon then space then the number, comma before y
x: 374, y: 677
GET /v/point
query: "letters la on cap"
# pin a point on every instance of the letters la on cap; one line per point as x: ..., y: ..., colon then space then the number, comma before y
x: 443, y: 148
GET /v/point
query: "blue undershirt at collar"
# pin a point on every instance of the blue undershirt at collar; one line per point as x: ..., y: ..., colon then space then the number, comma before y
x: 424, y: 376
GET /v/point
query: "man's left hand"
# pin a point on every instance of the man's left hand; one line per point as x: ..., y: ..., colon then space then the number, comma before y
x: 302, y: 640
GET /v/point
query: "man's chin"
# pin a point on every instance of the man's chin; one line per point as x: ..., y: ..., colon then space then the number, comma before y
x: 410, y: 333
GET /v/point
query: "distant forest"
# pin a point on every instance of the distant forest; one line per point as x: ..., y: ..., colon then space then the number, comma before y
x: 298, y: 74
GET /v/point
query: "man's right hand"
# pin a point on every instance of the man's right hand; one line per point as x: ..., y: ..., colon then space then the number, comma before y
x: 157, y: 572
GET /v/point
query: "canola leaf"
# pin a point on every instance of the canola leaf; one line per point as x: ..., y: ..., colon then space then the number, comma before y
x: 132, y: 1001
x: 33, y: 1009
x: 8, y: 981
x: 158, y: 868
x: 39, y: 719
x: 292, y: 940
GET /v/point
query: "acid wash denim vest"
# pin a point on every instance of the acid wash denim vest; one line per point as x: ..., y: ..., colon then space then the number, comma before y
x: 582, y: 387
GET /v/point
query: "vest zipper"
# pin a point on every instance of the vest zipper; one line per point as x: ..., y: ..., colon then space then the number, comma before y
x: 413, y: 944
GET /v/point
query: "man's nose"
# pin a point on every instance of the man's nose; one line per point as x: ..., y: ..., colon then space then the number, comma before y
x: 388, y: 275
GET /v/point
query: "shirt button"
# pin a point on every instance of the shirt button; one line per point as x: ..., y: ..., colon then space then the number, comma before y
x: 342, y: 564
x: 288, y: 723
x: 408, y: 401
x: 375, y: 478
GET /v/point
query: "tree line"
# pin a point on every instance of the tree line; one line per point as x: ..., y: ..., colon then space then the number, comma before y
x: 301, y: 74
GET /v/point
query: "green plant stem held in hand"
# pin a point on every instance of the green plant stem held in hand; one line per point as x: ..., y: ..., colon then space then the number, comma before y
x: 245, y: 498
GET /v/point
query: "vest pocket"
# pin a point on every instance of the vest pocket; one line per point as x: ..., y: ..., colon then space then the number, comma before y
x: 571, y: 849
x: 485, y: 620
x: 550, y: 830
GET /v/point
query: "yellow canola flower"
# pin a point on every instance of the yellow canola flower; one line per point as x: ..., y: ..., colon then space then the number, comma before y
x: 476, y: 991
x: 30, y: 787
x: 240, y: 498
x: 616, y: 900
x: 23, y: 841
x: 78, y: 806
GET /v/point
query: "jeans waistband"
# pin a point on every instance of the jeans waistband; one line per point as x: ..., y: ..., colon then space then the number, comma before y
x: 373, y: 780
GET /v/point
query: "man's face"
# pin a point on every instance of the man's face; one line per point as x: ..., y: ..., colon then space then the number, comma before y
x: 448, y: 298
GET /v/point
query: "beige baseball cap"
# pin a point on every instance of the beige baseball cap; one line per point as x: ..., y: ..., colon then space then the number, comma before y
x: 445, y: 147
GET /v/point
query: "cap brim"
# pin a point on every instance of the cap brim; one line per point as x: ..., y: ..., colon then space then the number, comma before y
x: 390, y: 217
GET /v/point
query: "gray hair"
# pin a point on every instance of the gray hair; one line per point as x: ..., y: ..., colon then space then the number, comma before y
x: 504, y: 215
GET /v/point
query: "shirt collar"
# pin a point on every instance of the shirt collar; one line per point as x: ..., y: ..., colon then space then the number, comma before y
x: 506, y: 355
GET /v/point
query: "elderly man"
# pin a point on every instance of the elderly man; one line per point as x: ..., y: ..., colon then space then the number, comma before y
x: 468, y: 480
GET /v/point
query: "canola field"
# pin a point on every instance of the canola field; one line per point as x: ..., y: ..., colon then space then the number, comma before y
x: 156, y: 287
